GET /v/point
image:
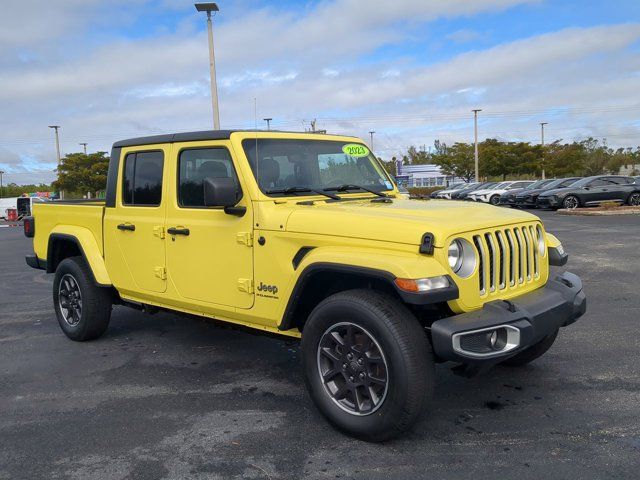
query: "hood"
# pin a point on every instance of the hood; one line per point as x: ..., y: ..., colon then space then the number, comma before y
x: 402, y: 221
x: 556, y: 191
x: 513, y: 192
x: 534, y: 191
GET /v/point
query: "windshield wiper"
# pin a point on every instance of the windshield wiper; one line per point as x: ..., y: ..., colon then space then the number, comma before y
x: 349, y: 186
x: 290, y: 190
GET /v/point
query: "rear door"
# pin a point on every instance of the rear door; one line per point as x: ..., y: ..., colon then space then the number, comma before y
x: 134, y: 228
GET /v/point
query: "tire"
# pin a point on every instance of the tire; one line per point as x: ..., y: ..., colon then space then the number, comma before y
x: 570, y: 202
x: 634, y: 199
x: 73, y: 287
x: 531, y: 353
x: 494, y: 200
x: 398, y: 351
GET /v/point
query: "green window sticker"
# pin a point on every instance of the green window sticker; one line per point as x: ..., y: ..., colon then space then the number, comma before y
x: 355, y: 150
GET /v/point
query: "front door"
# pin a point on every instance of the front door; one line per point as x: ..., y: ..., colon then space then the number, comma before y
x: 209, y: 252
x: 134, y: 244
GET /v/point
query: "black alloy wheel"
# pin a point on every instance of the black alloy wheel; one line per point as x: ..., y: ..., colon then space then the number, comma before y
x: 70, y: 300
x: 571, y: 202
x: 353, y: 368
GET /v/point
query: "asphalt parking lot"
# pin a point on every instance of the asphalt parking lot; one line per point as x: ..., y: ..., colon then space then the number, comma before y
x: 165, y: 396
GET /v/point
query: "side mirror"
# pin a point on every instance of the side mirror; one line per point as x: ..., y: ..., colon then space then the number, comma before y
x: 222, y: 192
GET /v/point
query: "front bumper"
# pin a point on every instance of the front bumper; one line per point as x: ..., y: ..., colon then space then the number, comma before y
x: 511, y: 201
x: 524, y: 202
x: 528, y: 319
x: 548, y: 202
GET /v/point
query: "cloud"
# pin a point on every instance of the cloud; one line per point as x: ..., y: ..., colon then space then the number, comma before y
x: 320, y: 61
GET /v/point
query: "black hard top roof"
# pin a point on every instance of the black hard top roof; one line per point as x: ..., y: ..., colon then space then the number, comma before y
x: 189, y: 137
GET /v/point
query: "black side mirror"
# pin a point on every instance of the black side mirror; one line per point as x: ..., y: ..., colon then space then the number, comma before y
x: 222, y: 192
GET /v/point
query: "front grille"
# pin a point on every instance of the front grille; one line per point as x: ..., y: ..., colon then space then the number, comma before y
x: 507, y: 258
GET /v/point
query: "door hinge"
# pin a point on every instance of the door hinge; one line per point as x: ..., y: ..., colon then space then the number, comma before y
x: 245, y: 238
x: 245, y: 285
x: 161, y: 273
x: 158, y: 231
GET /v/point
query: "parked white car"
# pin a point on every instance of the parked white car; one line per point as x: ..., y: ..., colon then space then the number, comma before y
x: 446, y: 193
x: 492, y: 195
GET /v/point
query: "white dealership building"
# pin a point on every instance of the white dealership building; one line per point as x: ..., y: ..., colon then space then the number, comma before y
x: 427, y: 175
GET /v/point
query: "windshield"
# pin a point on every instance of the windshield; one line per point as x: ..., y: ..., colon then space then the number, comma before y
x: 539, y: 184
x: 297, y: 167
x: 556, y: 183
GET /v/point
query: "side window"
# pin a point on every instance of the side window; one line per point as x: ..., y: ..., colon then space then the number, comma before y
x: 601, y: 182
x: 142, y: 179
x: 194, y: 165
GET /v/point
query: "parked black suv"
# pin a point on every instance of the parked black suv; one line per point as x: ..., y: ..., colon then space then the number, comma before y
x: 529, y: 198
x: 593, y: 191
x: 509, y: 198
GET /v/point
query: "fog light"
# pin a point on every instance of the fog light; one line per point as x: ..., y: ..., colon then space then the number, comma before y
x: 493, y: 339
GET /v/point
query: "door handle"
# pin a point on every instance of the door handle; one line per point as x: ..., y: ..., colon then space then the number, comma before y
x: 127, y: 226
x: 178, y: 231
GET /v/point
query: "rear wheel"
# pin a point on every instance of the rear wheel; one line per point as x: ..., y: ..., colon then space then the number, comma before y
x: 368, y: 365
x: 634, y: 199
x: 531, y: 353
x: 83, y: 309
x: 571, y: 202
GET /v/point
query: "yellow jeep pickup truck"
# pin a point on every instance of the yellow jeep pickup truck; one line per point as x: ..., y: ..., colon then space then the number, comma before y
x: 306, y: 235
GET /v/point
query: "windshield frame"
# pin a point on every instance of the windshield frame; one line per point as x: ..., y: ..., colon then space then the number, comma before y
x: 247, y: 149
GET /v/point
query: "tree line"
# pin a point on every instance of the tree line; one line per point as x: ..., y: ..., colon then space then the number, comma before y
x: 498, y: 159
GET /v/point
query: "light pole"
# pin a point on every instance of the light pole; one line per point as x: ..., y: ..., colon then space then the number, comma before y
x: 56, y: 127
x: 542, y: 124
x: 371, y: 132
x: 268, y: 120
x: 475, y: 141
x: 211, y: 7
x: 84, y: 146
x: 1, y: 173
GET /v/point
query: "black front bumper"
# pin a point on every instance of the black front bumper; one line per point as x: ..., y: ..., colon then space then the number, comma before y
x: 548, y: 202
x: 511, y: 201
x: 525, y: 203
x: 535, y: 315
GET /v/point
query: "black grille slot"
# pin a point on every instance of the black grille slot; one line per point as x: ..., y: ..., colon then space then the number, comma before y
x: 492, y: 261
x: 502, y: 274
x: 481, y: 264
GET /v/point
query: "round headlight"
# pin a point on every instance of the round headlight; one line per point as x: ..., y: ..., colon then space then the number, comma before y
x: 455, y: 256
x: 461, y: 257
x: 542, y: 245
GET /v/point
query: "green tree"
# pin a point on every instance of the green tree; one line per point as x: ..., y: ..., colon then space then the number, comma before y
x: 455, y: 160
x: 82, y: 173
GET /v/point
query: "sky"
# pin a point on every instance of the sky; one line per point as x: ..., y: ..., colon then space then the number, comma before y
x: 410, y: 70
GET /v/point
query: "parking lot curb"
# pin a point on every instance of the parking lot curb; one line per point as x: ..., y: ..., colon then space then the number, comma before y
x: 600, y: 213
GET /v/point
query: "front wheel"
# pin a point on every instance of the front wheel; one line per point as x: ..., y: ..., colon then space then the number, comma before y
x: 571, y: 202
x: 634, y: 199
x: 494, y: 200
x: 83, y: 309
x: 367, y: 363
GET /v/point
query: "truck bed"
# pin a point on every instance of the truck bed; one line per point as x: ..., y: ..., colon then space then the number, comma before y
x: 65, y: 217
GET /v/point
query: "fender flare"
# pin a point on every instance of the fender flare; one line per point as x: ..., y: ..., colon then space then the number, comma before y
x: 88, y: 247
x: 287, y: 321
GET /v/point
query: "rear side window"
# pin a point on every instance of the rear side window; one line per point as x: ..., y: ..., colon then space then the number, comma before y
x: 194, y: 165
x: 142, y: 179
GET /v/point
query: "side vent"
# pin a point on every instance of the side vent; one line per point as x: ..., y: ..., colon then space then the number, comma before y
x: 300, y: 254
